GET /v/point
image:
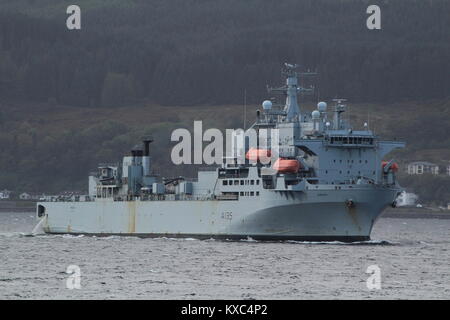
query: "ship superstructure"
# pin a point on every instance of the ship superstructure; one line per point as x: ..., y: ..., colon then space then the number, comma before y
x: 324, y: 181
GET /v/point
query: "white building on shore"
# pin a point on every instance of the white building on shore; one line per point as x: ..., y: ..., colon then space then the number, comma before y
x: 5, y: 194
x: 421, y: 167
x: 25, y: 196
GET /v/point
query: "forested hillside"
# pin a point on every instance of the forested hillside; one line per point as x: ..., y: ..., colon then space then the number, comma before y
x: 186, y: 52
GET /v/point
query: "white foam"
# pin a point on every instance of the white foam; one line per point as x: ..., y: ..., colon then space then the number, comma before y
x: 39, y: 227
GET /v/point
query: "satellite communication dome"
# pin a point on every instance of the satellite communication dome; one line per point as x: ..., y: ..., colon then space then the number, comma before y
x: 267, y: 105
x: 315, y: 114
x: 322, y: 106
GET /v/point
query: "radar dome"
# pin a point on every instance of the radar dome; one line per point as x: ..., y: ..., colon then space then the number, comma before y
x: 322, y: 106
x: 267, y: 105
x: 315, y: 114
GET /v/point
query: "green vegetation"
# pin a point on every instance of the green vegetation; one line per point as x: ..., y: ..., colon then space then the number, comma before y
x: 45, y: 148
x: 52, y: 148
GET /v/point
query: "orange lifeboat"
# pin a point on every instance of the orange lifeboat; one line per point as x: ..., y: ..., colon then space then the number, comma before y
x: 286, y: 165
x: 394, y: 166
x: 254, y: 154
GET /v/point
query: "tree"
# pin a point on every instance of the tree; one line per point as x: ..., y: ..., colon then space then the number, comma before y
x: 118, y: 89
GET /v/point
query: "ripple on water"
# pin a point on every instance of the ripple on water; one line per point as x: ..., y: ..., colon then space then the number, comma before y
x: 413, y: 259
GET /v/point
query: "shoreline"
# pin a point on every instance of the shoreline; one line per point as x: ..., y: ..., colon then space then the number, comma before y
x: 18, y: 205
x: 415, y: 213
x: 408, y: 213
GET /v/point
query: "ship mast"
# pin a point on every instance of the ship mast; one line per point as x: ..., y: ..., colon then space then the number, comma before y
x: 292, y: 108
x: 338, y: 109
x: 291, y: 90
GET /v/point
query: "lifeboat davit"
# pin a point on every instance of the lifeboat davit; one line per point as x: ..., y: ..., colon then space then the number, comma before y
x: 394, y: 166
x: 286, y: 165
x: 254, y: 154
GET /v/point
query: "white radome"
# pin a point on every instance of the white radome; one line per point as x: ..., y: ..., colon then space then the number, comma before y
x: 315, y: 114
x: 267, y: 105
x: 322, y: 106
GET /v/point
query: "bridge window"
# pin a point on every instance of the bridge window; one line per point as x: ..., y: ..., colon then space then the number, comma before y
x: 225, y: 182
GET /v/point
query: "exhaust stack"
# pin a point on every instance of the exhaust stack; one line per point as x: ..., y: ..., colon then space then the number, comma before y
x: 146, y: 156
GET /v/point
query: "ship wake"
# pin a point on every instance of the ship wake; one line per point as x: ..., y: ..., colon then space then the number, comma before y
x: 355, y: 243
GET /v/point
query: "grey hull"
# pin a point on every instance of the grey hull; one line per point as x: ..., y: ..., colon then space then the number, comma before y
x: 303, y: 217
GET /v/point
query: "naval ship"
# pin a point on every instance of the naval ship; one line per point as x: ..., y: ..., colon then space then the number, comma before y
x: 326, y: 182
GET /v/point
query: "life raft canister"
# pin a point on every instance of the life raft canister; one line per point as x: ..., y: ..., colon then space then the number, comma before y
x: 254, y: 154
x: 394, y: 166
x: 286, y: 165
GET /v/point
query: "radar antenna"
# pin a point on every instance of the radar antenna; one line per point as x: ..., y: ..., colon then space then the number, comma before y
x: 292, y: 89
x: 339, y: 107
